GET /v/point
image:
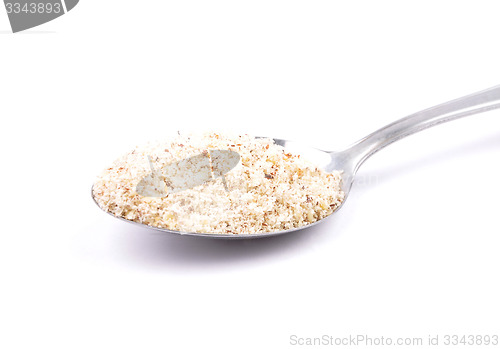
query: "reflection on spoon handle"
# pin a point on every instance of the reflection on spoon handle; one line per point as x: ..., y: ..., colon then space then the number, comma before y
x: 478, y: 102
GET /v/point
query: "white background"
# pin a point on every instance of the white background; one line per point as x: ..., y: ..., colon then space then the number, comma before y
x: 413, y: 252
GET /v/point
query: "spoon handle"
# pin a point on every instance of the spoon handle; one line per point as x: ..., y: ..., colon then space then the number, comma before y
x: 475, y: 103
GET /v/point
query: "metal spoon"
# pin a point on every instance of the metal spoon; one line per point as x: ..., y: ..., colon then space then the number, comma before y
x: 349, y: 160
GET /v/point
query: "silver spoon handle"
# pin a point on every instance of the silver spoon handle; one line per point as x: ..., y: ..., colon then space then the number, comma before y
x: 475, y: 103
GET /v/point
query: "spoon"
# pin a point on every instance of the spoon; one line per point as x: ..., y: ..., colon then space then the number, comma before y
x: 350, y: 159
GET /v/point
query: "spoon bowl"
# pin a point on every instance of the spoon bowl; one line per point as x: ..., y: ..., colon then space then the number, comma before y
x: 350, y: 159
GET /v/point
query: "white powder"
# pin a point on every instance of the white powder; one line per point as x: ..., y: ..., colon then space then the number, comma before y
x: 268, y: 190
